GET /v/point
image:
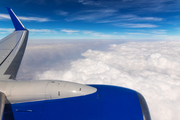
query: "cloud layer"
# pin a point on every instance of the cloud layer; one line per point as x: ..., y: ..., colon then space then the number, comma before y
x: 152, y: 68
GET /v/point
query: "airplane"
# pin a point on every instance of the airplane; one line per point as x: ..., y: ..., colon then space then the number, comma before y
x: 57, y: 99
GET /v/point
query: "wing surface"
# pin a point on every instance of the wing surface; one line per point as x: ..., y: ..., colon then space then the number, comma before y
x: 12, y: 49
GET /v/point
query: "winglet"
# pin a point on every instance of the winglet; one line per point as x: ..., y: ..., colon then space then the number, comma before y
x: 17, y: 23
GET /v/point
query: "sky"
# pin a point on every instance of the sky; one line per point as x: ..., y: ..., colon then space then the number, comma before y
x: 95, y: 19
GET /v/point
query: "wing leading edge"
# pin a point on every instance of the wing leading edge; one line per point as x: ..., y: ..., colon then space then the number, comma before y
x: 12, y: 49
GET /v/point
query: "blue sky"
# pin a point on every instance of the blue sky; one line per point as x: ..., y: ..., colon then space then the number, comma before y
x: 95, y: 19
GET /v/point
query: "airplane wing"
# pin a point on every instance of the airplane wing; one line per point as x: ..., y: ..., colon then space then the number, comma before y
x: 12, y: 49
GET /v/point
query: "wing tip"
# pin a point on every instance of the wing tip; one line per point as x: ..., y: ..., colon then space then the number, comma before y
x: 17, y: 23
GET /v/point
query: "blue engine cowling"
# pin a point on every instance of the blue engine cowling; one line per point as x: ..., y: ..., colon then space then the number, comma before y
x: 107, y: 103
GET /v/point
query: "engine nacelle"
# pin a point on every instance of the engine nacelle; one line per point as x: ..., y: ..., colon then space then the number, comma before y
x: 67, y: 101
x: 23, y: 91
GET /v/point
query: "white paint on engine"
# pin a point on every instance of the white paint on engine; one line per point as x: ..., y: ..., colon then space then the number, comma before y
x: 21, y: 91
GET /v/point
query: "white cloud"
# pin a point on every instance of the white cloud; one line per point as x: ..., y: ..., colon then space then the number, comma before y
x: 131, y: 18
x: 137, y: 33
x: 92, y: 15
x: 152, y: 18
x: 101, y: 35
x: 137, y: 25
x: 87, y: 31
x: 34, y: 19
x: 63, y: 13
x: 152, y: 68
x: 89, y: 2
x: 4, y: 16
x: 42, y: 30
x: 138, y: 18
x: 159, y: 31
x: 6, y: 29
x: 39, y: 19
x: 92, y: 33
x: 98, y: 34
x: 69, y: 31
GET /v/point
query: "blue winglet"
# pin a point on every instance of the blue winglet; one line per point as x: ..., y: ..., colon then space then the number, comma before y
x: 17, y: 23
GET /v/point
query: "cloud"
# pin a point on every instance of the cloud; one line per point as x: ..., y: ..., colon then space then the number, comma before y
x: 23, y: 18
x: 87, y: 32
x: 133, y: 25
x: 137, y: 33
x: 89, y: 2
x: 152, y: 68
x: 131, y: 18
x: 8, y: 30
x: 142, y: 5
x: 152, y: 18
x: 138, y: 18
x: 33, y: 31
x: 101, y: 35
x: 112, y: 17
x: 159, y: 31
x: 42, y: 30
x: 98, y: 34
x: 69, y: 31
x: 56, y: 54
x: 4, y: 16
x: 34, y: 19
x: 60, y: 12
x: 92, y: 15
x: 51, y: 31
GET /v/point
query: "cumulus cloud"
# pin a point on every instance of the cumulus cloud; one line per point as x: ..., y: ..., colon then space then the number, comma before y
x: 152, y: 68
x: 53, y: 54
